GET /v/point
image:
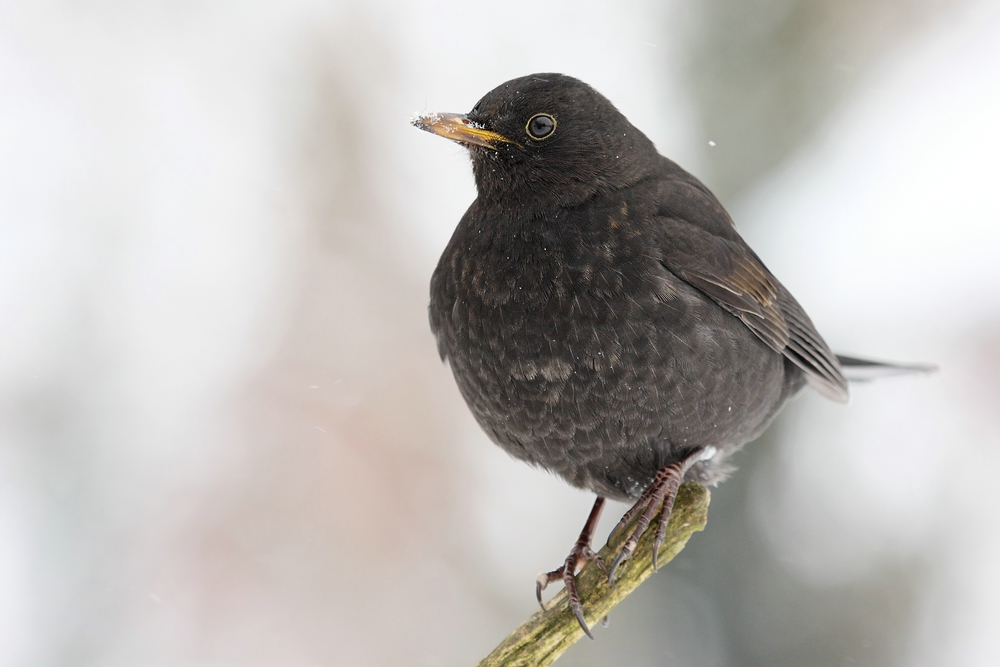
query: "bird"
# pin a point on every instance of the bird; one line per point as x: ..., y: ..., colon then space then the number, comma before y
x: 602, y: 316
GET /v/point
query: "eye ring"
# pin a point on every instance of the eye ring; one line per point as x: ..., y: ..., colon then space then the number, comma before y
x: 540, y: 126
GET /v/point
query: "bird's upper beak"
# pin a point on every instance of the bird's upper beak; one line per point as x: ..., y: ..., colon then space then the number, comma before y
x: 458, y: 127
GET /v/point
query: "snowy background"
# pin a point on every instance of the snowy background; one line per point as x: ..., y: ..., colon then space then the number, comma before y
x: 226, y: 437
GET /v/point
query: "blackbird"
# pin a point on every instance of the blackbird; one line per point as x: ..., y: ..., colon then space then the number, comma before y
x: 602, y: 316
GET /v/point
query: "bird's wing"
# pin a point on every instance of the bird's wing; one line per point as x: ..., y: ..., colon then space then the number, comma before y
x: 729, y: 272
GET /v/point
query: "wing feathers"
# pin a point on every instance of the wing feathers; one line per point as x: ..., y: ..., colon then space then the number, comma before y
x: 728, y: 272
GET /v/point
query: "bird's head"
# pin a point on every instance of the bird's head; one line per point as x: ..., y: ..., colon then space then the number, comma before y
x: 546, y: 140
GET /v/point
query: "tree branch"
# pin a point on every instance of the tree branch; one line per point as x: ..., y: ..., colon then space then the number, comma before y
x: 547, y: 634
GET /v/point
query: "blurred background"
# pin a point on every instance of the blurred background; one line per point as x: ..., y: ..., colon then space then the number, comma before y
x: 225, y: 434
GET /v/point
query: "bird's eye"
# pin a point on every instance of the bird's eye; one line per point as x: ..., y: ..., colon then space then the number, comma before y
x: 540, y: 126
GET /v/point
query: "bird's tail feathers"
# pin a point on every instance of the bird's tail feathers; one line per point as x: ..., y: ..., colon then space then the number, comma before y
x: 866, y: 370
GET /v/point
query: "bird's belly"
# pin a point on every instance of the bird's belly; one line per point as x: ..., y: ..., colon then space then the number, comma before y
x: 605, y: 396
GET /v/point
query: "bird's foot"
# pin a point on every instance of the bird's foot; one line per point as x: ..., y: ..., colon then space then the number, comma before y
x: 579, y: 555
x: 658, y: 497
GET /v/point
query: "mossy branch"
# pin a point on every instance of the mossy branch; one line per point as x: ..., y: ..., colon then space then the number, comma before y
x: 547, y: 634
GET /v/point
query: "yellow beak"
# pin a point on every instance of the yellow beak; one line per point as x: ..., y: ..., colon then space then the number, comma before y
x: 458, y: 127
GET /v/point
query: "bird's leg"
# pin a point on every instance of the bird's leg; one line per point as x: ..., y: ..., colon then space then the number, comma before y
x: 658, y: 497
x: 581, y: 554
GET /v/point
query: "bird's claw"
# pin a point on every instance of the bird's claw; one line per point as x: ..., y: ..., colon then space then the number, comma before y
x: 623, y: 555
x: 657, y: 498
x: 543, y: 581
x: 579, y: 555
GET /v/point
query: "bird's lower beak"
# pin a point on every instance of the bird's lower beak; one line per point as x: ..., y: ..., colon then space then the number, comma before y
x: 458, y: 127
